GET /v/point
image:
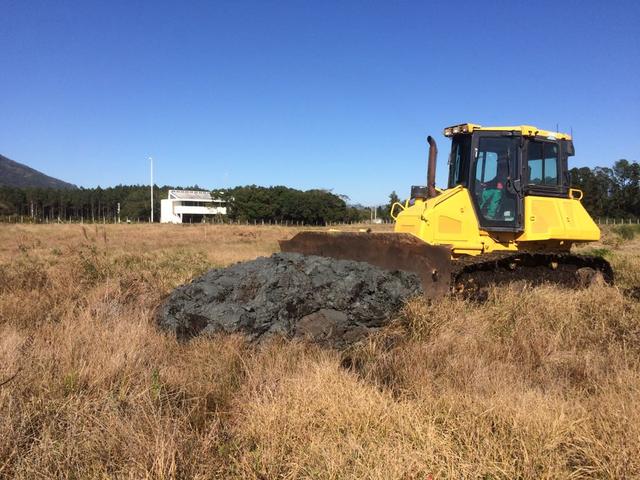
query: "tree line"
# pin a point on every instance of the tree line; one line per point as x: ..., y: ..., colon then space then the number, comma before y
x: 610, y: 192
x: 132, y: 203
x: 82, y: 204
x: 284, y: 204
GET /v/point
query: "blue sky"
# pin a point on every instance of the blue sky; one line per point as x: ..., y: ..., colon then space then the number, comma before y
x: 336, y: 95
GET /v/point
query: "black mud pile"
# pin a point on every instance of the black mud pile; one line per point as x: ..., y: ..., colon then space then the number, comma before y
x: 328, y: 301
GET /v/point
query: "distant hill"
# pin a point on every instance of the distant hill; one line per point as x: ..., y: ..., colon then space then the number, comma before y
x: 14, y: 174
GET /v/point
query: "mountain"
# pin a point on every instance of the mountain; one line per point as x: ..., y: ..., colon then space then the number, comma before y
x: 14, y: 174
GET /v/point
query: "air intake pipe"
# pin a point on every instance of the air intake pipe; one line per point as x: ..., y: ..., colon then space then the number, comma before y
x: 431, y: 168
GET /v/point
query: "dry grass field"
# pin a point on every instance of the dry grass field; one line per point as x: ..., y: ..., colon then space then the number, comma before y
x: 534, y: 383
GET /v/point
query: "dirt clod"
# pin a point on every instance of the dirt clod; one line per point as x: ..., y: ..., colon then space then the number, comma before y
x: 633, y: 293
x: 334, y: 302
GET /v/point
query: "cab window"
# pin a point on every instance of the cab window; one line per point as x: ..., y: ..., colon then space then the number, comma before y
x: 459, y: 160
x: 542, y: 163
x: 487, y: 166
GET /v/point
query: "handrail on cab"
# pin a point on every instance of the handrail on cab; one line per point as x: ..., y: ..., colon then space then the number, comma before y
x: 393, y: 208
x: 573, y: 192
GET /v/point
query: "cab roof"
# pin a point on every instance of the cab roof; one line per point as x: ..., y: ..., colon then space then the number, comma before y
x: 524, y: 130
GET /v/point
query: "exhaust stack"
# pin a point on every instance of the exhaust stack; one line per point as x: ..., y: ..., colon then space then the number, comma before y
x: 431, y: 168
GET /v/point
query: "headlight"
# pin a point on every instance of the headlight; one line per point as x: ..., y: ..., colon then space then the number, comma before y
x: 457, y: 129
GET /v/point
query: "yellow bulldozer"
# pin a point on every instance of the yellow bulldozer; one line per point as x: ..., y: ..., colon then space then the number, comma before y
x: 508, y: 213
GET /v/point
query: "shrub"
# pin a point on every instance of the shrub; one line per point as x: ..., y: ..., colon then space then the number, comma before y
x: 626, y: 232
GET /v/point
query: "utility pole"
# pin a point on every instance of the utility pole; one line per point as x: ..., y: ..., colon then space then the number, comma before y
x: 151, y: 160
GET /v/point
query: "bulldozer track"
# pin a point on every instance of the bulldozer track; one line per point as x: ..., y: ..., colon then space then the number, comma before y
x: 473, y: 274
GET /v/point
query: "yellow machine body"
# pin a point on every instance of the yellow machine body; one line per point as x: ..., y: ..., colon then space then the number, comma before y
x: 450, y: 220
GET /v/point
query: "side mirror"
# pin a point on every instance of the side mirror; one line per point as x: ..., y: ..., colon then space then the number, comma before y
x: 571, y: 151
x: 516, y: 186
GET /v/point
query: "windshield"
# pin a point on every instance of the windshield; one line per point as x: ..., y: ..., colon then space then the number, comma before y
x: 459, y: 160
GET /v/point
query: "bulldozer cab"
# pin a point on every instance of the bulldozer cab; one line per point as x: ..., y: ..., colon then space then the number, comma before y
x: 500, y: 167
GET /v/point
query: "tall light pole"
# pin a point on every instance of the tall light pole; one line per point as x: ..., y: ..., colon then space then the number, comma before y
x: 151, y: 162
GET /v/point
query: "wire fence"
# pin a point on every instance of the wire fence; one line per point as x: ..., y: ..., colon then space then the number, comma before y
x: 24, y: 219
x: 618, y: 221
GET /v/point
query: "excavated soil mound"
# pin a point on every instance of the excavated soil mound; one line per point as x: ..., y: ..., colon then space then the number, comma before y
x: 328, y: 301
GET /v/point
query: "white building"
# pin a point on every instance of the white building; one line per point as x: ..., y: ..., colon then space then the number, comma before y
x: 190, y: 206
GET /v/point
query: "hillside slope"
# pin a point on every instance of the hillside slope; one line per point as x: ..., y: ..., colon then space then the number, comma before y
x: 14, y: 174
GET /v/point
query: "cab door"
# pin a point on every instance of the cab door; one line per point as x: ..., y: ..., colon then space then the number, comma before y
x: 493, y: 180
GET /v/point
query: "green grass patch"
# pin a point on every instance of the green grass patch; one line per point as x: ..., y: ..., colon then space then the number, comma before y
x: 627, y: 232
x: 600, y: 252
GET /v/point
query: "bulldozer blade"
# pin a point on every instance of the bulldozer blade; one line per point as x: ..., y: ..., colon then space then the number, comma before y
x: 390, y: 251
